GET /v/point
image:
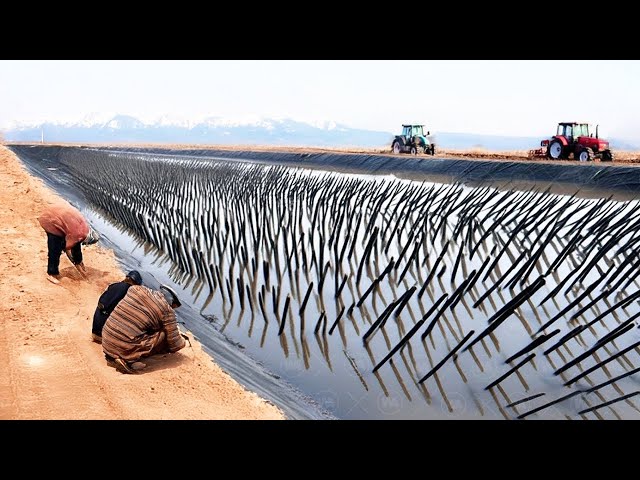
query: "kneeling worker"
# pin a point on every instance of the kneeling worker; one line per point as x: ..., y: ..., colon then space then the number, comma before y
x: 142, y: 324
x: 108, y: 301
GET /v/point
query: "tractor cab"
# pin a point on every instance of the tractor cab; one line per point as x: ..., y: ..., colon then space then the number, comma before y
x: 410, y: 131
x: 572, y: 131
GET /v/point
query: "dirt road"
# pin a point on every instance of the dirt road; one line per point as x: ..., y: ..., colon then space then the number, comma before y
x: 49, y: 367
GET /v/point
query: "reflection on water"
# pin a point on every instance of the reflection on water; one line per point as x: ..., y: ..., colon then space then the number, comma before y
x: 387, y: 298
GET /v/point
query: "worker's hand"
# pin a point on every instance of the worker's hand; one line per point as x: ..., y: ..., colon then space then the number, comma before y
x: 182, y: 334
x: 186, y: 337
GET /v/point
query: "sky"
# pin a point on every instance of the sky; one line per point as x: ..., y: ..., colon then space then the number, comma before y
x: 499, y: 97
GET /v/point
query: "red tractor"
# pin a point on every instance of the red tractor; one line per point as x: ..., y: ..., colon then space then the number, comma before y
x: 574, y: 138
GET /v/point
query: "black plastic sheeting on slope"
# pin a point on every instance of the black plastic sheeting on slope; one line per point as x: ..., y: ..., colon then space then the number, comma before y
x: 568, y: 177
x: 573, y: 174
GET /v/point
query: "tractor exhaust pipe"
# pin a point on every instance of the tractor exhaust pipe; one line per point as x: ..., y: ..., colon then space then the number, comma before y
x: 597, y: 131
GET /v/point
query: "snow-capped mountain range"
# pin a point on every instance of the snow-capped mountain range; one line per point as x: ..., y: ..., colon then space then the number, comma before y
x: 210, y: 130
x: 247, y: 130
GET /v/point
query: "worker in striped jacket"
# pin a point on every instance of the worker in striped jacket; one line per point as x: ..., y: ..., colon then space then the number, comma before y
x: 142, y: 324
x: 108, y: 301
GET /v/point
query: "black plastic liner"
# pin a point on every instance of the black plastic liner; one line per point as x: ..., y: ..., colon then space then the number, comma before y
x: 597, y: 178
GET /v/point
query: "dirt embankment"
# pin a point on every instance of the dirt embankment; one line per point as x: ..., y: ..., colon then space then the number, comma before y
x: 49, y: 367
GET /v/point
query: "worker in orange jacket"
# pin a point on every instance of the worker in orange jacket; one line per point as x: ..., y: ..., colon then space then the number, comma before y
x: 67, y: 230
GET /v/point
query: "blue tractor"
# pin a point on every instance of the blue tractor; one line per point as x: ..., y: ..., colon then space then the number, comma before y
x: 414, y: 141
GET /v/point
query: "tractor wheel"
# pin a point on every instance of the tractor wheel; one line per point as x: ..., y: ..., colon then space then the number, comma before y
x: 607, y: 156
x: 555, y: 150
x: 585, y: 155
x: 414, y: 150
x: 395, y: 148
